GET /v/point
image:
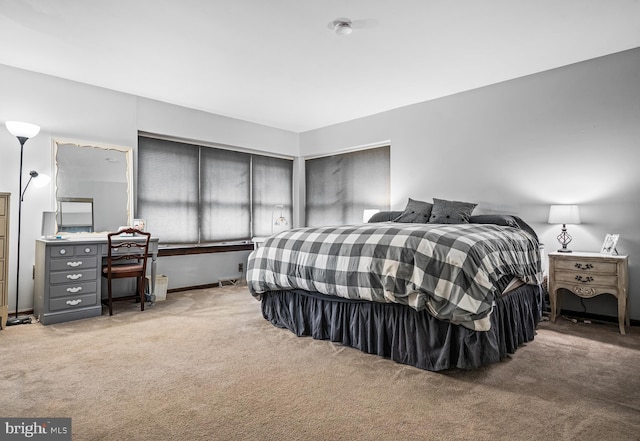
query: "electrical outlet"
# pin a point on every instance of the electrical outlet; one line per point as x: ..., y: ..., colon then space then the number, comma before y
x: 240, y: 267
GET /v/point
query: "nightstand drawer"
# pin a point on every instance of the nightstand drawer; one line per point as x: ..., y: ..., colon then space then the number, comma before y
x: 586, y: 265
x: 586, y: 278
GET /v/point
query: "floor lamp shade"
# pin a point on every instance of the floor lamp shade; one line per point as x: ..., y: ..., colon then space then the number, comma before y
x: 22, y: 129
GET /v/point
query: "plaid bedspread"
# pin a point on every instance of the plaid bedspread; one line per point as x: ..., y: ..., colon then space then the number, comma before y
x: 450, y: 270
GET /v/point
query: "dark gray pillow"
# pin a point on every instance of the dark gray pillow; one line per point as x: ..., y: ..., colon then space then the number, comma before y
x: 415, y: 212
x: 505, y: 220
x: 495, y: 219
x: 451, y: 212
x: 384, y: 216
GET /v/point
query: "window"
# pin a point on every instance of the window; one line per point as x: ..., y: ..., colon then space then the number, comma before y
x: 340, y: 187
x: 198, y: 194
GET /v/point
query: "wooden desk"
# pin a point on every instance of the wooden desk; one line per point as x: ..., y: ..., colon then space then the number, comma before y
x: 588, y: 275
x: 68, y: 279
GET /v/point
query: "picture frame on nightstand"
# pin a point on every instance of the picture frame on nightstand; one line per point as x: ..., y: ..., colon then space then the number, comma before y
x: 609, y: 244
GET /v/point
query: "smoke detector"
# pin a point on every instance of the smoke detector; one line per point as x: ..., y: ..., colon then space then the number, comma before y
x: 342, y: 26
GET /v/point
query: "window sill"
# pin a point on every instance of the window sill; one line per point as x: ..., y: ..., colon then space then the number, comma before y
x: 223, y: 247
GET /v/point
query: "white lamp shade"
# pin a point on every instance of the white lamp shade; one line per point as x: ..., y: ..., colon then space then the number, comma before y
x: 22, y: 129
x: 564, y: 214
x: 366, y: 214
x: 41, y: 180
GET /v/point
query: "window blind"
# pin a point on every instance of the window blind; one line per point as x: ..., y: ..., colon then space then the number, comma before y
x: 340, y: 187
x: 198, y: 194
x: 168, y: 194
x: 272, y: 186
x: 224, y: 195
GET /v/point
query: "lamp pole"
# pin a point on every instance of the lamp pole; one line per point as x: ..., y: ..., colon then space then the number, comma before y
x: 22, y: 131
x: 16, y: 320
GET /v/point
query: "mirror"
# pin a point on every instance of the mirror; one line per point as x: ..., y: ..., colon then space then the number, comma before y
x: 97, y: 173
x: 75, y: 215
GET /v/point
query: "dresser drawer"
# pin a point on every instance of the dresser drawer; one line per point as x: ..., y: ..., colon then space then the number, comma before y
x: 73, y: 289
x: 78, y: 301
x: 72, y: 276
x: 65, y: 250
x: 74, y: 263
x: 581, y: 278
x: 69, y: 250
x: 85, y: 250
x: 586, y: 265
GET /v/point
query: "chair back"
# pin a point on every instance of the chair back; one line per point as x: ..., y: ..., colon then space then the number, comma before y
x: 128, y: 246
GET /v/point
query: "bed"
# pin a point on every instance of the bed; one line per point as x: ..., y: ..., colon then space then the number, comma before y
x: 428, y: 294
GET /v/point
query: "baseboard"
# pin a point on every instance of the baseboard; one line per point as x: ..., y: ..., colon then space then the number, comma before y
x: 206, y: 286
x: 189, y: 288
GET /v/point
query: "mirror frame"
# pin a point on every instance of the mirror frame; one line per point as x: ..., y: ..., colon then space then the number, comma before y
x: 128, y: 151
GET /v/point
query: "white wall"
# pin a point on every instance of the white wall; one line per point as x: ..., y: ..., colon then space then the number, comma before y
x: 69, y: 110
x: 569, y: 135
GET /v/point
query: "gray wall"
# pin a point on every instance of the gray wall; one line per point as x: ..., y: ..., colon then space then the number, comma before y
x: 569, y: 135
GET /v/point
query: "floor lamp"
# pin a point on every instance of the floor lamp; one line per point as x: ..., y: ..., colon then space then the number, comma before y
x: 22, y: 131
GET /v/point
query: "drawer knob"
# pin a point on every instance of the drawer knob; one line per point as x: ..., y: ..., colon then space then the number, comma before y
x: 87, y: 250
x: 584, y: 280
x: 63, y: 251
x: 74, y: 264
x: 586, y: 266
x: 74, y: 276
x: 74, y: 289
x: 74, y: 302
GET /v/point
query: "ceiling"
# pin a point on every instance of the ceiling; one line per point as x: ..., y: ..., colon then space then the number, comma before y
x: 278, y: 63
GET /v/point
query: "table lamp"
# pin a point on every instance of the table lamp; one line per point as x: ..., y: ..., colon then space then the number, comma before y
x: 564, y: 214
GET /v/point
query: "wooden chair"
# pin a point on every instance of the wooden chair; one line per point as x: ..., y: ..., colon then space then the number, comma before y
x: 127, y: 258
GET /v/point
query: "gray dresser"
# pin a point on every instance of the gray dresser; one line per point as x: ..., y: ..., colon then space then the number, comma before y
x: 68, y: 283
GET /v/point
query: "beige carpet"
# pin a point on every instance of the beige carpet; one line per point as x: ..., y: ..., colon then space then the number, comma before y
x: 205, y: 365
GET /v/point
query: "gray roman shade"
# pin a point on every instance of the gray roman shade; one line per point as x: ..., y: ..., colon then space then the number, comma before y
x: 198, y: 194
x: 340, y: 187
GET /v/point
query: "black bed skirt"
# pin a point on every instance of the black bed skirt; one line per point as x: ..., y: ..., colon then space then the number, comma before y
x: 405, y: 335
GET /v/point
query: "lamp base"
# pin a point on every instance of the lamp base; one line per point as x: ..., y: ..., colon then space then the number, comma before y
x: 18, y: 321
x: 564, y: 250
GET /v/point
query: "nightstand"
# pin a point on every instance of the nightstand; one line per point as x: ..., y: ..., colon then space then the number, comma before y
x: 588, y: 275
